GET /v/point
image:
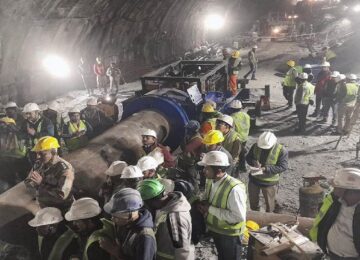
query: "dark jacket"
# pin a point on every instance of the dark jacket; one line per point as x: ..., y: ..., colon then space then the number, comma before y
x: 137, y: 244
x: 43, y: 124
x: 97, y: 119
x: 330, y: 89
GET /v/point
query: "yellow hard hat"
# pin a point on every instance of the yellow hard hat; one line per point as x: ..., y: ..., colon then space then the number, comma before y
x: 8, y: 120
x: 213, y: 137
x: 46, y: 143
x: 207, y: 108
x: 235, y: 54
x: 291, y: 63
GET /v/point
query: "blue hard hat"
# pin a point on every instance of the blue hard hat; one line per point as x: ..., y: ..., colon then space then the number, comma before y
x: 125, y: 200
x: 193, y: 125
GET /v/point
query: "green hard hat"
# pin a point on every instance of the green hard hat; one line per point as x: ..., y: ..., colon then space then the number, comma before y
x: 150, y: 189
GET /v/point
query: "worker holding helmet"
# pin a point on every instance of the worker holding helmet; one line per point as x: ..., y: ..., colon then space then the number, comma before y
x: 336, y: 228
x: 134, y: 227
x: 224, y: 206
x: 55, y: 240
x: 51, y: 176
x: 234, y: 66
x: 289, y: 83
x: 268, y: 160
x: 253, y: 61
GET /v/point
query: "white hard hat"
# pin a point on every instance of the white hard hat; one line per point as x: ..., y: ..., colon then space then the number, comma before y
x: 303, y: 75
x: 341, y: 77
x: 149, y: 132
x: 74, y: 110
x: 82, y: 209
x: 347, y: 178
x: 31, y: 107
x: 10, y: 104
x: 130, y: 172
x: 307, y: 66
x: 335, y: 74
x: 214, y: 158
x: 266, y: 140
x: 92, y: 101
x: 227, y: 119
x: 158, y: 155
x: 46, y: 216
x: 352, y: 77
x: 116, y: 168
x: 147, y: 163
x: 255, y: 47
x: 325, y: 64
x: 53, y: 106
x: 235, y: 104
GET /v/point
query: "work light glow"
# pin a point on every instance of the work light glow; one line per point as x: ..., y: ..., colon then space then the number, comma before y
x: 214, y: 22
x: 56, y: 66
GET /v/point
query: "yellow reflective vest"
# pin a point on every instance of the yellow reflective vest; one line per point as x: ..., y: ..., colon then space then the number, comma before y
x: 351, y: 93
x: 242, y: 125
x: 328, y: 201
x: 289, y: 80
x: 76, y: 142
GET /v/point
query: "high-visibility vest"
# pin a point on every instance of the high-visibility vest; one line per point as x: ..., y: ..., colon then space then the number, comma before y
x: 289, y: 80
x: 220, y: 200
x: 329, y: 55
x: 60, y: 245
x: 11, y: 146
x: 242, y: 125
x: 107, y: 231
x: 351, y: 93
x: 308, y: 92
x: 271, y: 160
x: 229, y: 140
x: 327, y: 202
x: 74, y: 128
x: 129, y: 244
x: 76, y: 142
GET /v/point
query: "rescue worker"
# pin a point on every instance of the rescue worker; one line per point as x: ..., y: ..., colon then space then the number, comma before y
x: 289, y: 83
x: 347, y: 96
x: 269, y: 159
x: 303, y: 97
x: 55, y: 240
x: 172, y: 221
x: 84, y: 216
x: 224, y: 206
x: 150, y: 145
x: 253, y: 61
x: 100, y: 73
x: 308, y: 70
x: 113, y: 181
x: 148, y: 166
x: 208, y: 118
x: 95, y: 117
x: 52, y: 177
x: 336, y: 228
x: 242, y: 127
x: 320, y: 80
x: 131, y: 176
x: 85, y: 73
x: 12, y: 111
x: 135, y: 238
x: 76, y: 131
x: 329, y: 98
x: 115, y: 76
x: 234, y: 66
x: 53, y: 113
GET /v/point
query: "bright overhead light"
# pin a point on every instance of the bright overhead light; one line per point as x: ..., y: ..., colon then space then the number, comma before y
x: 56, y: 66
x: 276, y: 30
x: 214, y: 22
x: 356, y: 8
x: 345, y: 22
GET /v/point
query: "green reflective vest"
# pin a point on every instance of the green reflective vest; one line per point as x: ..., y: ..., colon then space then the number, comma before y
x: 11, y: 146
x: 107, y: 231
x: 220, y: 200
x: 242, y: 125
x: 328, y: 201
x: 271, y: 160
x: 289, y: 80
x: 60, y: 245
x: 229, y: 140
x: 308, y: 92
x: 351, y: 93
x: 76, y: 142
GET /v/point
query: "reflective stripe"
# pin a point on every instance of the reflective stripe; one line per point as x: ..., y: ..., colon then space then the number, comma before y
x: 271, y: 160
x: 242, y: 125
x: 220, y: 200
x: 328, y: 201
x: 308, y: 89
x: 351, y: 92
x: 229, y: 140
x: 164, y: 255
x: 73, y: 128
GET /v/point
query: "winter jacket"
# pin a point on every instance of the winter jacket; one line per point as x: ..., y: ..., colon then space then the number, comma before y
x: 330, y: 88
x: 43, y: 127
x: 321, y: 78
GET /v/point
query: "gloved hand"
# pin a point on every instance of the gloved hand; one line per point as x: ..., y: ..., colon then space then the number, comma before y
x: 311, y: 102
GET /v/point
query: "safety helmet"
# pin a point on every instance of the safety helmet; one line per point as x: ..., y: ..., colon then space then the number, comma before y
x: 340, y: 77
x: 193, y: 125
x: 10, y: 105
x: 158, y: 155
x: 213, y: 137
x: 226, y: 119
x: 7, y: 120
x: 46, y: 143
x: 207, y: 108
x: 53, y: 106
x: 74, y: 110
x: 116, y: 168
x: 307, y: 66
x: 235, y: 54
x: 215, y: 158
x: 149, y: 132
x: 347, y: 178
x: 290, y: 63
x: 130, y: 172
x: 92, y: 101
x: 334, y: 74
x: 185, y: 187
x: 211, y: 102
x: 236, y: 104
x: 325, y: 64
x: 266, y: 140
x: 150, y: 189
x: 125, y: 200
x: 303, y: 75
x: 46, y: 216
x: 352, y: 77
x: 255, y: 47
x: 82, y: 209
x: 31, y: 107
x: 146, y: 163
